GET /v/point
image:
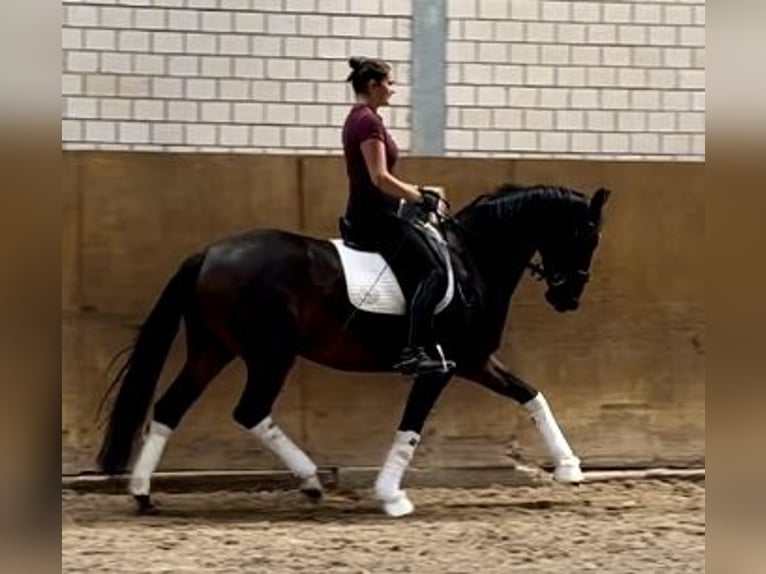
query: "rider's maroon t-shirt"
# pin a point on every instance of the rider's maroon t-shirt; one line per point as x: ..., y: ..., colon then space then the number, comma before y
x: 365, y: 200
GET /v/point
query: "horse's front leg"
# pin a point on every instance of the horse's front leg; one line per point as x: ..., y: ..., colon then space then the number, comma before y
x: 496, y: 377
x: 425, y: 391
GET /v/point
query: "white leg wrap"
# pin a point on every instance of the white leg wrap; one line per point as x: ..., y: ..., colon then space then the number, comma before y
x: 567, y: 464
x: 149, y: 459
x: 388, y: 484
x: 277, y: 442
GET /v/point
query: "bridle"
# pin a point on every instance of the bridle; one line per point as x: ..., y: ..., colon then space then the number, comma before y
x: 536, y: 268
x: 554, y: 279
x: 557, y: 279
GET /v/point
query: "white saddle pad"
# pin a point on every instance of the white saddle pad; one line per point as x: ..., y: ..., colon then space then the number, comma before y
x: 371, y: 283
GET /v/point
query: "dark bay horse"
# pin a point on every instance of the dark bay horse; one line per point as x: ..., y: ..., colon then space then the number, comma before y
x: 269, y: 296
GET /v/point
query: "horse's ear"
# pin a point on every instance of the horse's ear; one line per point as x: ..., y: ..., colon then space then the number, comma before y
x: 597, y: 203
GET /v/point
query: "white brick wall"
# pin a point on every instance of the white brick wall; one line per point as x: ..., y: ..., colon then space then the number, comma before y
x: 611, y: 79
x: 203, y: 75
x: 601, y: 79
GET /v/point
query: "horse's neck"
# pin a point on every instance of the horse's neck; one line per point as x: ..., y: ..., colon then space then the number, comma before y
x: 499, y: 258
x: 503, y: 280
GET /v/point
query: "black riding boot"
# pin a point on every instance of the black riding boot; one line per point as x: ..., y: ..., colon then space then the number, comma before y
x: 415, y: 359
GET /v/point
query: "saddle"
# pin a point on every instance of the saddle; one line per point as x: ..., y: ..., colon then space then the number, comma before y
x: 371, y: 282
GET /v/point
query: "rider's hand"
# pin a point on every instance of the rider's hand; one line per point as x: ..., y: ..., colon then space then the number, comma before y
x: 442, y: 206
x: 437, y: 189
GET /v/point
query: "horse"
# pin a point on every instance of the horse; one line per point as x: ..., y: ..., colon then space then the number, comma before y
x: 268, y: 296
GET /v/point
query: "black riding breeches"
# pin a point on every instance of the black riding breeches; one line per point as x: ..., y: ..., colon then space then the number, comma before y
x: 422, y: 306
x: 417, y: 266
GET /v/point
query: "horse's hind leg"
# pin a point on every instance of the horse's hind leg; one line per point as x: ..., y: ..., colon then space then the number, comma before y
x: 268, y: 365
x: 206, y: 358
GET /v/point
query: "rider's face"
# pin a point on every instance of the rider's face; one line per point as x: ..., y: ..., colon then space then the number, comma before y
x: 382, y: 91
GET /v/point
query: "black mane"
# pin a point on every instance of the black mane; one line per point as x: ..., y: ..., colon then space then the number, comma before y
x: 510, y: 196
x: 561, y: 206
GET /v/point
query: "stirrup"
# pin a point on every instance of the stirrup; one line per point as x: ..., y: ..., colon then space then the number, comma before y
x: 420, y: 363
x: 447, y: 365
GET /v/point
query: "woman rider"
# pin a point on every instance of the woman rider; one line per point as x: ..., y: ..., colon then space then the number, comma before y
x: 372, y: 213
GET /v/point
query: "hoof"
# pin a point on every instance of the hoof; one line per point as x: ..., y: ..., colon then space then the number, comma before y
x: 398, y: 507
x: 569, y: 472
x: 144, y: 504
x: 311, y: 488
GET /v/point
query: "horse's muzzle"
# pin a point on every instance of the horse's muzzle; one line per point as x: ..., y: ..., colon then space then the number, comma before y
x: 561, y: 304
x: 564, y: 292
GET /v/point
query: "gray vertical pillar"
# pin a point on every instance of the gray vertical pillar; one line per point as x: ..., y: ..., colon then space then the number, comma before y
x: 429, y: 76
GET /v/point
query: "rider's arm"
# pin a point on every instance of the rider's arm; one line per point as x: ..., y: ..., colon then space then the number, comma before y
x: 374, y: 153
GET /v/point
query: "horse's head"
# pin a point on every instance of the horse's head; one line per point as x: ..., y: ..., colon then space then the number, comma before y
x: 567, y: 253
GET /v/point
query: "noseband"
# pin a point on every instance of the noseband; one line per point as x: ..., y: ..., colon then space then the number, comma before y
x: 539, y: 273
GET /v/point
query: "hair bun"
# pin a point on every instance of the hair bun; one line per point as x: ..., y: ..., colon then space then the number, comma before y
x: 356, y: 62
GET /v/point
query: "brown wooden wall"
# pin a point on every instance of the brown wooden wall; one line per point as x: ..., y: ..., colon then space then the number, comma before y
x: 625, y: 374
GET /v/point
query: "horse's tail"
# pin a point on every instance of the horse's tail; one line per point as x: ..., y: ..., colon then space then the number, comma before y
x: 137, y: 379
